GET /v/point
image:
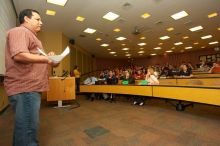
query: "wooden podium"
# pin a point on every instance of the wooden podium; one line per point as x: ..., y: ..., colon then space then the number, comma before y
x: 61, y: 88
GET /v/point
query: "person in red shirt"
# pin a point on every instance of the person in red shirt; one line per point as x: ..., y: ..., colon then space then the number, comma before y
x: 215, y: 68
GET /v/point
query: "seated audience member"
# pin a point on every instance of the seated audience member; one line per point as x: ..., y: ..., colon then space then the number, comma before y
x: 127, y: 77
x: 111, y: 80
x: 152, y: 80
x: 90, y: 81
x: 185, y: 72
x: 151, y: 77
x: 215, y: 68
x: 139, y: 75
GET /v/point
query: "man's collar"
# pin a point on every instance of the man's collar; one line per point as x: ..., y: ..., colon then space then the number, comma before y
x: 23, y: 25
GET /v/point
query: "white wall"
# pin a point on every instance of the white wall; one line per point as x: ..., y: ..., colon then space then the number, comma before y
x: 7, y: 21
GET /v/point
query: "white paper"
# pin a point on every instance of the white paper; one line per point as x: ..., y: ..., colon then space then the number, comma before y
x: 57, y: 58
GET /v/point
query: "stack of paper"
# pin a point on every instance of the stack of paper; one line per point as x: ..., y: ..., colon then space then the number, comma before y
x: 57, y: 58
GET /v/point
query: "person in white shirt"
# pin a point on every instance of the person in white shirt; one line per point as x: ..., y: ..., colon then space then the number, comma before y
x: 151, y: 77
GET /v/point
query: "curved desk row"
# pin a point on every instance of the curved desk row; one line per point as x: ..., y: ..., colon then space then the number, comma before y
x: 200, y: 94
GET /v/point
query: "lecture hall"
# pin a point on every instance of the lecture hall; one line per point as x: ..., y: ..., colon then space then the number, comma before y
x: 110, y: 73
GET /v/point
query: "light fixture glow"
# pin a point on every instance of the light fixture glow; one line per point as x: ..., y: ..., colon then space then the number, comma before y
x: 79, y: 18
x: 120, y: 38
x: 50, y: 12
x: 157, y: 48
x: 178, y: 43
x: 196, y: 28
x: 142, y: 38
x: 206, y: 37
x: 98, y: 39
x: 212, y: 43
x: 140, y: 52
x: 127, y: 54
x: 188, y: 47
x: 179, y: 15
x: 89, y: 30
x: 57, y: 2
x: 185, y: 37
x: 104, y: 45
x: 145, y: 15
x: 142, y: 44
x: 170, y: 29
x: 153, y: 54
x: 125, y: 49
x: 116, y: 30
x: 164, y: 37
x: 112, y: 52
x: 169, y: 51
x: 110, y: 16
x: 212, y: 15
x: 196, y: 43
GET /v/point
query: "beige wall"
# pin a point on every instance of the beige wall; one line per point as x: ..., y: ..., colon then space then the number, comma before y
x: 57, y: 42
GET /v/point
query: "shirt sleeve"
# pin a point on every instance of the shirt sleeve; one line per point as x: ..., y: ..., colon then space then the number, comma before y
x: 18, y: 42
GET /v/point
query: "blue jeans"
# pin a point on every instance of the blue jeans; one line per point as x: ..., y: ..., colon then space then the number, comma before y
x: 26, y: 107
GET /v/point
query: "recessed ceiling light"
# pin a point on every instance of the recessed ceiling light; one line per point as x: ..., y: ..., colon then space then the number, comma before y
x: 212, y: 15
x: 164, y: 37
x: 112, y: 52
x: 157, y: 48
x: 196, y: 43
x: 125, y: 49
x: 98, y: 39
x: 57, y: 2
x: 188, y: 47
x: 142, y: 38
x: 170, y: 29
x: 168, y: 51
x: 145, y: 15
x: 79, y: 18
x: 153, y: 54
x: 140, y: 52
x: 206, y: 37
x: 185, y: 37
x: 141, y: 48
x: 104, y: 45
x: 160, y: 44
x: 116, y: 30
x: 115, y: 55
x: 89, y: 30
x: 196, y: 28
x: 108, y: 49
x: 120, y: 38
x: 203, y: 47
x: 127, y: 54
x: 123, y: 44
x: 178, y: 43
x: 179, y: 15
x: 211, y: 43
x: 173, y: 48
x: 142, y: 44
x: 110, y: 16
x: 218, y: 28
x: 50, y: 12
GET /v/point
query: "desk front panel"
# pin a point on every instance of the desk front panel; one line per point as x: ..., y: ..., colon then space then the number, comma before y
x: 194, y: 94
x: 118, y: 89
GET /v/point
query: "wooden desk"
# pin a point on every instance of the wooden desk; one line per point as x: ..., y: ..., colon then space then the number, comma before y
x: 3, y: 98
x: 61, y: 89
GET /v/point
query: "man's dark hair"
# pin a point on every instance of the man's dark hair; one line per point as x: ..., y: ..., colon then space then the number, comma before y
x: 26, y: 12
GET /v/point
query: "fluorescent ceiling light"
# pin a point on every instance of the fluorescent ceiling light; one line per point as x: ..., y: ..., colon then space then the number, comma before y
x: 123, y: 44
x: 185, y: 37
x: 112, y: 52
x: 164, y: 37
x: 116, y: 30
x: 153, y: 54
x: 110, y: 16
x: 173, y: 48
x: 50, y: 12
x: 127, y: 54
x: 57, y: 2
x: 145, y: 15
x: 219, y: 28
x: 168, y: 51
x: 196, y: 28
x: 206, y: 37
x: 120, y: 38
x: 79, y: 18
x: 178, y: 43
x: 188, y: 47
x: 125, y: 49
x: 104, y: 45
x: 157, y: 48
x: 196, y: 43
x: 160, y: 44
x: 179, y: 15
x: 108, y: 49
x: 203, y: 47
x: 141, y: 48
x: 211, y: 43
x: 212, y: 15
x: 140, y: 52
x: 89, y: 30
x: 98, y: 39
x: 142, y: 44
x: 142, y: 38
x: 170, y: 29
